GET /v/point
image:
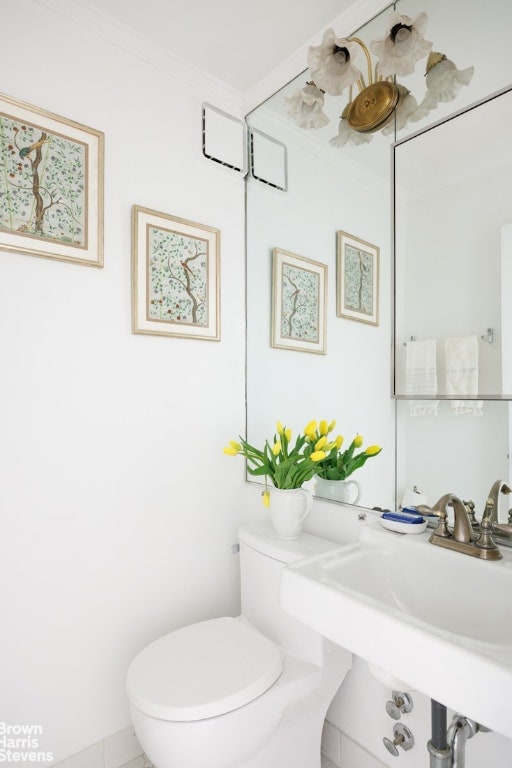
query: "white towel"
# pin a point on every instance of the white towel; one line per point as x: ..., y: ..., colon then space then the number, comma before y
x: 462, y: 374
x: 421, y: 376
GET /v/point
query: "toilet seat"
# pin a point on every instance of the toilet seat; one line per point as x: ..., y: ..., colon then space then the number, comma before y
x: 203, y: 670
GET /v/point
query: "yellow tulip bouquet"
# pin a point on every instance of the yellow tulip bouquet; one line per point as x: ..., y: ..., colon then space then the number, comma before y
x: 337, y: 464
x: 286, y: 466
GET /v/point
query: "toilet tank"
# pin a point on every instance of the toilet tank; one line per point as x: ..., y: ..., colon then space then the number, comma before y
x: 262, y: 558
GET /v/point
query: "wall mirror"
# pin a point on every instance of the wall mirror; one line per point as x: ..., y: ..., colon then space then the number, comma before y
x: 349, y: 189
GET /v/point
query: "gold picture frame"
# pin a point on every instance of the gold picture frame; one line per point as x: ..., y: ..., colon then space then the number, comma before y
x: 299, y: 303
x: 357, y: 279
x: 175, y: 276
x: 51, y: 185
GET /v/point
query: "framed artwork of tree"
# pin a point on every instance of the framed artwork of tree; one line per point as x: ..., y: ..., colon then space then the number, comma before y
x: 299, y: 291
x: 357, y: 279
x: 175, y: 276
x: 51, y: 185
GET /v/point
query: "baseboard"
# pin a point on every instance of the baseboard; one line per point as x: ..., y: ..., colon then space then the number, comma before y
x: 120, y: 750
x: 340, y: 751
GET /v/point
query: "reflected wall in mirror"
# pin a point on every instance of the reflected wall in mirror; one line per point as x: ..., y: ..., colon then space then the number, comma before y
x: 453, y: 193
x: 454, y: 454
x: 349, y: 189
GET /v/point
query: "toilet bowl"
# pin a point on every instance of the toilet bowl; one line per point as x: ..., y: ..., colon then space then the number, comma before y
x: 244, y: 692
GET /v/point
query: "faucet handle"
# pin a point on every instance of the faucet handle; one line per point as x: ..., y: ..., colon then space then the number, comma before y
x: 489, y: 509
x: 442, y: 526
x: 485, y: 541
x: 441, y: 529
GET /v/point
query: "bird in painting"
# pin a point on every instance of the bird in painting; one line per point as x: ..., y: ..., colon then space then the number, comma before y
x: 25, y: 151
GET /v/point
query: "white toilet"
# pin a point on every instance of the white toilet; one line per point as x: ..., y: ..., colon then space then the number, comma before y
x: 245, y: 692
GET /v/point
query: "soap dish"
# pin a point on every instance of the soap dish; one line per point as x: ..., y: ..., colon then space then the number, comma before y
x: 394, y: 525
x: 403, y: 522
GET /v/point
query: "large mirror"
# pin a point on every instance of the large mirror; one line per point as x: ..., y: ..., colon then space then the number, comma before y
x: 349, y: 189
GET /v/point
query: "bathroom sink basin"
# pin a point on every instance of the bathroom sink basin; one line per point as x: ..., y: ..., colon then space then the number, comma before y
x: 435, y: 618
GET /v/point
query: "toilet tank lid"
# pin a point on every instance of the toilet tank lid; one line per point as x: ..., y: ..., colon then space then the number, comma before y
x: 203, y: 670
x: 262, y: 538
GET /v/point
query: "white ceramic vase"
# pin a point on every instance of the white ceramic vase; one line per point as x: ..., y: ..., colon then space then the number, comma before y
x: 288, y: 510
x: 338, y: 490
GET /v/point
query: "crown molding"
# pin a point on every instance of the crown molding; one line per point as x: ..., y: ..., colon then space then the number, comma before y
x: 83, y: 14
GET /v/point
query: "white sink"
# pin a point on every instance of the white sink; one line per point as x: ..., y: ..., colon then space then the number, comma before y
x: 438, y: 619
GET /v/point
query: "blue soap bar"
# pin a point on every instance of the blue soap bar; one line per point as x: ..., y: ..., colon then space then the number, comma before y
x: 403, y: 517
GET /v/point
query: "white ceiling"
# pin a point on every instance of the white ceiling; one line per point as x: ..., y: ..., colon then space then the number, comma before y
x: 238, y: 42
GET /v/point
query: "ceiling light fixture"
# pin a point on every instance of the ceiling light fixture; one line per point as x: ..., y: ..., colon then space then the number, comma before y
x: 378, y: 96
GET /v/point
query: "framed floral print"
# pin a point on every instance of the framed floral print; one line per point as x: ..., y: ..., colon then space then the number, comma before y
x: 299, y: 299
x: 175, y: 276
x: 51, y: 185
x: 357, y: 279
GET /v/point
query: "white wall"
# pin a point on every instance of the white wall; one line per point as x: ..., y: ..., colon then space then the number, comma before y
x: 455, y: 261
x: 118, y: 506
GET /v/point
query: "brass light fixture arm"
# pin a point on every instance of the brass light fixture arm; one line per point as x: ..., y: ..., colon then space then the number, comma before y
x: 368, y: 59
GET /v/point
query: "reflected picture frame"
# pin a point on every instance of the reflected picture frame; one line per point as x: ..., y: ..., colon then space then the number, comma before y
x: 175, y: 276
x: 51, y: 185
x: 357, y: 279
x: 299, y: 303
